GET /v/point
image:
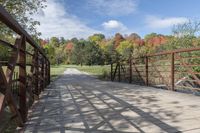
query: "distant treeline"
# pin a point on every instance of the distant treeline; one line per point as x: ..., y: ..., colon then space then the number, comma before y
x: 99, y: 50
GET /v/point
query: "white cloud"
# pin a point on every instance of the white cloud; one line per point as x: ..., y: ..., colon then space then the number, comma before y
x: 55, y: 21
x: 114, y: 25
x: 156, y: 22
x: 113, y: 7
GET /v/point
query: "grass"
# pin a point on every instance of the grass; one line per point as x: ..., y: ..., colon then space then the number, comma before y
x: 97, y: 70
x: 57, y: 70
x: 102, y: 72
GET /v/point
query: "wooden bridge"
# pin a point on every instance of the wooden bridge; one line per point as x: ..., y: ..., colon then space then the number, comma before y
x: 80, y: 103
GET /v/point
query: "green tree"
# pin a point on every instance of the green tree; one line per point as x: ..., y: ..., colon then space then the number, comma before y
x: 93, y: 54
x: 59, y: 55
x: 125, y: 49
x: 54, y: 41
x: 78, y: 53
x: 50, y: 52
x: 62, y: 41
x: 22, y: 10
x: 96, y: 38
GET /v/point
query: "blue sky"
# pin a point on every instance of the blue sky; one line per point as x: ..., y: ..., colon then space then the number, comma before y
x: 82, y: 18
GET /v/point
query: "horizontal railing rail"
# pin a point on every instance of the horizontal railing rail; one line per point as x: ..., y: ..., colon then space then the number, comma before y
x: 173, y: 70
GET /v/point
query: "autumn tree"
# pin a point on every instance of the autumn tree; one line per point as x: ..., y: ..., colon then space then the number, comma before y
x: 117, y: 39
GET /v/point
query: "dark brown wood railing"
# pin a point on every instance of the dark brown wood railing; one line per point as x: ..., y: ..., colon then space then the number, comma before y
x: 173, y: 70
x: 24, y: 73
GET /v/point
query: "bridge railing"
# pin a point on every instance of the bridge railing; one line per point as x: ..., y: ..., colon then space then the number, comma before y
x: 24, y: 72
x: 173, y: 70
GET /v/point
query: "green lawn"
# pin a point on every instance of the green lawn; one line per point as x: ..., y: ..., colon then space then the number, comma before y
x: 57, y: 70
x: 102, y: 72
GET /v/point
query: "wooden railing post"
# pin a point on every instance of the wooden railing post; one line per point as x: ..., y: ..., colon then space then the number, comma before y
x: 46, y: 73
x: 36, y: 74
x: 42, y: 74
x: 172, y: 71
x: 147, y: 70
x: 130, y: 70
x: 22, y: 80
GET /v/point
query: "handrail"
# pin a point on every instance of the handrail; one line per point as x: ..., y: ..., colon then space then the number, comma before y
x: 175, y: 51
x: 170, y: 52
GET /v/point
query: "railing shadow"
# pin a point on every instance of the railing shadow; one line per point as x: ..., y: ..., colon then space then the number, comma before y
x: 81, y: 103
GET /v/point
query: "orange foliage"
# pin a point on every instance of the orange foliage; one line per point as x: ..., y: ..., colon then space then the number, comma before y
x: 156, y: 41
x: 69, y: 46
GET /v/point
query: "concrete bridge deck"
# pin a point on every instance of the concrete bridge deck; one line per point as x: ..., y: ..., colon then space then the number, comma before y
x: 78, y: 103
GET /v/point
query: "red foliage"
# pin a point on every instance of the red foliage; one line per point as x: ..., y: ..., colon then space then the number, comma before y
x: 157, y: 41
x: 138, y: 42
x: 69, y: 46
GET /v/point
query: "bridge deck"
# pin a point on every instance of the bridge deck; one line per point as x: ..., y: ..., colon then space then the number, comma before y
x: 78, y: 103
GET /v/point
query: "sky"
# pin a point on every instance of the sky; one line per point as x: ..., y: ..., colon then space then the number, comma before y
x: 82, y: 18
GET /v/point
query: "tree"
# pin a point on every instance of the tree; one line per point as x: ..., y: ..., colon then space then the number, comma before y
x: 59, y: 55
x: 78, y: 53
x: 133, y: 36
x: 22, y: 10
x: 149, y: 36
x: 184, y: 36
x: 62, y: 40
x: 96, y: 38
x: 50, y: 52
x: 54, y: 41
x: 125, y: 49
x: 117, y: 39
x: 68, y: 48
x: 93, y: 54
x: 74, y: 40
x: 190, y: 28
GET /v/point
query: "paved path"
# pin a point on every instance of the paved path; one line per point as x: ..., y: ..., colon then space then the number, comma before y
x: 78, y: 103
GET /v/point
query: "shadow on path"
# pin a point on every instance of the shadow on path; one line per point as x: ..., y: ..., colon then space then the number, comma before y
x: 78, y: 103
